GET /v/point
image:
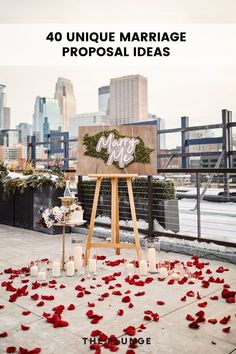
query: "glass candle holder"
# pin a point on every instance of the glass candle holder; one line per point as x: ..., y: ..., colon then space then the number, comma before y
x: 70, y: 267
x: 42, y: 271
x: 152, y: 248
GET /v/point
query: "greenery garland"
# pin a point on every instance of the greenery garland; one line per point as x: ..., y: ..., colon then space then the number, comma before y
x: 142, y: 152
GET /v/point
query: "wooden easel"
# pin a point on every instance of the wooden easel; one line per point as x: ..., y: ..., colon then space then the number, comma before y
x: 115, y: 229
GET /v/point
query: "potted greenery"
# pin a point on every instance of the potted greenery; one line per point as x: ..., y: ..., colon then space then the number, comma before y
x: 6, y: 204
x: 31, y: 192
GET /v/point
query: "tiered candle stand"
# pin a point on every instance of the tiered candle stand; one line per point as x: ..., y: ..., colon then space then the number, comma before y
x: 66, y: 202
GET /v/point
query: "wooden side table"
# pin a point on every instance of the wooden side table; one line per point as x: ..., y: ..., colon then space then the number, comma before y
x: 115, y: 229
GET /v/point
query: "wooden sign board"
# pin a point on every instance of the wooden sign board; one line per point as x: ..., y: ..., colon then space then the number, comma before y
x: 117, y: 149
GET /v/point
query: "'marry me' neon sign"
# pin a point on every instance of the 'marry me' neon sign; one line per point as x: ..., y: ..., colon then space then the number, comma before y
x: 121, y: 150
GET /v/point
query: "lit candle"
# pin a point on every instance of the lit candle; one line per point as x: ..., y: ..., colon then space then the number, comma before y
x: 34, y: 271
x: 56, y: 269
x: 143, y: 267
x: 130, y: 268
x: 152, y: 260
x: 163, y: 272
x: 42, y: 275
x: 175, y: 276
x: 70, y: 268
x: 92, y: 265
x: 78, y: 257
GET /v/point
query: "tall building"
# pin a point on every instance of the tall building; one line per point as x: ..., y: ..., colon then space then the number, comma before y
x: 104, y: 100
x: 24, y: 130
x: 6, y: 118
x: 85, y: 119
x: 128, y: 99
x: 4, y: 111
x: 64, y: 93
x: 2, y: 106
x: 160, y: 126
x: 46, y: 115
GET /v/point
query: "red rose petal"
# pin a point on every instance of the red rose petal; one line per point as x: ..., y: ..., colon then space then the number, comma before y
x: 116, y: 292
x: 62, y: 286
x: 225, y: 319
x: 1, y: 307
x: 190, y: 318
x: 160, y: 302
x: 140, y: 293
x: 212, y: 320
x: 26, y: 313
x: 126, y: 299
x: 200, y: 314
x: 194, y: 325
x: 46, y: 297
x: 226, y: 330
x: 3, y: 334
x: 120, y: 312
x: 91, y: 304
x: 202, y: 304
x: 25, y: 328
x: 215, y: 297
x: 35, y: 297
x: 190, y: 293
x: 130, y: 330
x: 40, y: 303
x: 183, y: 298
x: 80, y: 294
x: 130, y: 351
x: 95, y: 333
x: 130, y: 305
x: 230, y: 300
x: 103, y: 337
x: 171, y: 282
x: 71, y: 307
x: 11, y: 349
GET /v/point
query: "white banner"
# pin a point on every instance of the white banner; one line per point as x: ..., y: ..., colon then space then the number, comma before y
x: 62, y: 45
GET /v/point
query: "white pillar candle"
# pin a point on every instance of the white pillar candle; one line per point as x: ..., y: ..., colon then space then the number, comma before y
x: 175, y: 276
x: 34, y: 271
x: 143, y: 267
x: 130, y: 268
x: 152, y: 260
x: 56, y: 269
x: 70, y: 268
x: 163, y: 272
x: 92, y: 265
x: 42, y: 275
x: 78, y: 257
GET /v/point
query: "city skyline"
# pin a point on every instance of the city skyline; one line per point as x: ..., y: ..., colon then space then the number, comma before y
x: 201, y: 95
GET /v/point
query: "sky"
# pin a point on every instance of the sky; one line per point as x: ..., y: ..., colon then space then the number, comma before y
x: 199, y: 92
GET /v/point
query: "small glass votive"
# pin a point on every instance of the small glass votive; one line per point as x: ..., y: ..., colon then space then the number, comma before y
x: 70, y: 267
x: 34, y: 269
x: 130, y: 269
x: 42, y: 271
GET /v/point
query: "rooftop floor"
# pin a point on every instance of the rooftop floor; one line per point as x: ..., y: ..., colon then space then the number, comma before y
x: 171, y: 334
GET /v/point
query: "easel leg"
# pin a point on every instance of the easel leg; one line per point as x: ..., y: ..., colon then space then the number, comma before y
x: 134, y: 220
x: 117, y: 218
x: 113, y: 210
x: 63, y: 247
x: 92, y: 220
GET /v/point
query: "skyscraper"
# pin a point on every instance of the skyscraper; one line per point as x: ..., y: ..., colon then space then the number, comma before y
x: 128, y: 99
x: 104, y: 100
x: 2, y: 106
x: 4, y: 111
x: 46, y: 114
x: 64, y: 93
x: 25, y: 130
